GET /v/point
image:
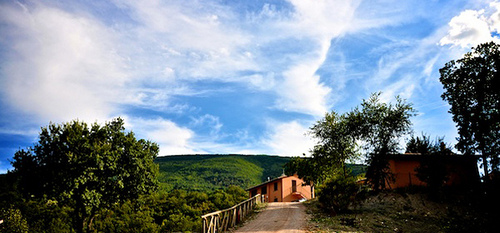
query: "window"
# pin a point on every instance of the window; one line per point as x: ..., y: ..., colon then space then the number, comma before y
x: 263, y: 190
x: 254, y: 192
x: 276, y: 186
x: 275, y: 199
x: 294, y: 186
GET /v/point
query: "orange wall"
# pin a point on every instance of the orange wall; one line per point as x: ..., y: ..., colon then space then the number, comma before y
x: 288, y: 196
x: 404, y: 173
x: 459, y: 173
x: 284, y: 190
x: 271, y: 193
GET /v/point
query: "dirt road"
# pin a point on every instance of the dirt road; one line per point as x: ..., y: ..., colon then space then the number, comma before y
x: 278, y: 217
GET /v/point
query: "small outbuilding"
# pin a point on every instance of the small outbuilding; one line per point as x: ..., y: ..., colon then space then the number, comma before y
x: 283, y: 189
x: 460, y: 170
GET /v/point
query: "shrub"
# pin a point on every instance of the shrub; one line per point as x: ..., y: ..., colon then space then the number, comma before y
x: 337, y: 193
x: 13, y: 221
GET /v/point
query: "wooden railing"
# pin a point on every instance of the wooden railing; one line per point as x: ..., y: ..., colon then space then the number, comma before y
x: 222, y: 220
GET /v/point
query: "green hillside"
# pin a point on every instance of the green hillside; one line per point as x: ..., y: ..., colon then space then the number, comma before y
x: 212, y: 172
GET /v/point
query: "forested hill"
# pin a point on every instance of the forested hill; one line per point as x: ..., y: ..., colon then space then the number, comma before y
x: 212, y: 172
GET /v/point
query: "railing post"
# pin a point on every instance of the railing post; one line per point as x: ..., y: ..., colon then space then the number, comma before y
x: 220, y: 221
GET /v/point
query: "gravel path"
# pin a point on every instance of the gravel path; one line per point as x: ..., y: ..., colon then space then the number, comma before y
x: 278, y: 217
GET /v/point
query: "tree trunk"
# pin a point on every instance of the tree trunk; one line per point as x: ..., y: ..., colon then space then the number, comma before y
x: 480, y: 112
x: 485, y: 164
x: 79, y: 213
x: 79, y: 222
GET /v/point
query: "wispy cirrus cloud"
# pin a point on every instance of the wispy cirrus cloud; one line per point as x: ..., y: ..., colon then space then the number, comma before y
x: 209, y: 76
x: 60, y: 66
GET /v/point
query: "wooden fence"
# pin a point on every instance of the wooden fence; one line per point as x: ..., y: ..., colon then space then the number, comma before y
x: 222, y: 220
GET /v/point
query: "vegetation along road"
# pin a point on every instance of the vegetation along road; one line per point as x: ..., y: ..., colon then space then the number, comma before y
x: 278, y: 217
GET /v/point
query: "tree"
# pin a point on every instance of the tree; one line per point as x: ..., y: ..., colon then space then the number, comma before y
x: 424, y: 145
x: 336, y: 145
x: 336, y: 141
x: 312, y: 170
x: 379, y: 126
x: 87, y: 168
x: 472, y: 88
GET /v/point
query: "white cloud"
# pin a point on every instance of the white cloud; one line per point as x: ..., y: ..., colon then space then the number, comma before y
x: 302, y: 91
x: 61, y: 66
x: 197, y: 41
x: 324, y: 18
x: 494, y: 19
x: 171, y: 138
x: 209, y: 121
x: 403, y: 88
x: 289, y: 139
x: 470, y: 28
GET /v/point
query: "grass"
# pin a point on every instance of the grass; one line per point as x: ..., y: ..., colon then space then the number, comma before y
x: 399, y: 212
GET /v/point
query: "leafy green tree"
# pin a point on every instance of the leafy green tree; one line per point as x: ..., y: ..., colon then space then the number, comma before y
x: 336, y: 141
x: 376, y: 126
x: 87, y: 168
x: 130, y: 216
x: 312, y: 170
x: 336, y: 144
x: 379, y: 126
x: 237, y: 193
x: 472, y: 88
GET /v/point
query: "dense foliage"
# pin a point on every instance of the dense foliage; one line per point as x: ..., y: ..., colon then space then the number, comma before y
x: 86, y: 168
x: 302, y: 166
x: 374, y: 127
x: 338, y: 193
x: 206, y: 173
x: 379, y: 126
x: 336, y: 141
x: 472, y: 88
x: 101, y: 179
x: 175, y: 211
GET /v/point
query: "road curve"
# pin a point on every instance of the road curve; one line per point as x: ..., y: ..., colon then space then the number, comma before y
x: 278, y: 217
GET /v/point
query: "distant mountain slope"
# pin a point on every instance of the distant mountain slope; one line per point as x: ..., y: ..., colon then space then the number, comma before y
x: 212, y: 172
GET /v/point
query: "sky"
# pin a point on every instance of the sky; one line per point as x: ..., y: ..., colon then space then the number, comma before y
x: 220, y: 76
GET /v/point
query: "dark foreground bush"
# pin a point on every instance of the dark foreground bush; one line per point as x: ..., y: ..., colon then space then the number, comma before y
x: 338, y: 193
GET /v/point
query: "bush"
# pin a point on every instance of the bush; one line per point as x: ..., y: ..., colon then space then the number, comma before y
x: 337, y: 193
x: 13, y: 221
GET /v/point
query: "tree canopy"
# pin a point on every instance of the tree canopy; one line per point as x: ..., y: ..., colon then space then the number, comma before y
x: 380, y: 125
x: 87, y: 168
x: 374, y: 127
x: 472, y: 88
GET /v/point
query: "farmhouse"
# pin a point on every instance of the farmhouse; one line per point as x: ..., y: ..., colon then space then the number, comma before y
x: 283, y: 189
x: 461, y: 170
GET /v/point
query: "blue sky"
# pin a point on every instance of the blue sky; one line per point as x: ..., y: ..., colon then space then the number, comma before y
x: 226, y: 76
